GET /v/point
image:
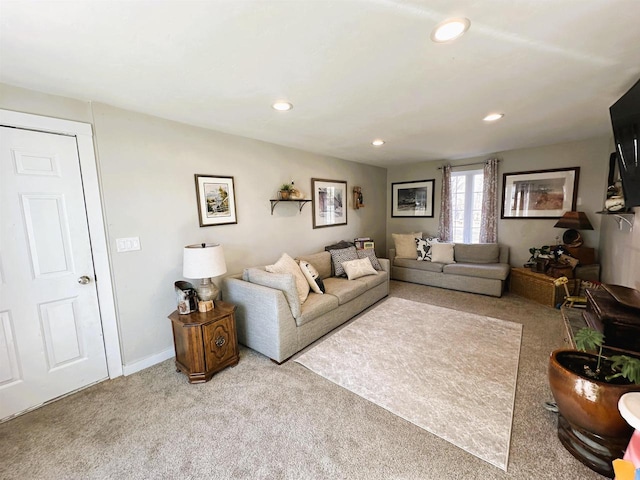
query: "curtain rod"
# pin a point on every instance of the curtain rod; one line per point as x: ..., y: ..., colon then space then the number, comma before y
x: 469, y: 164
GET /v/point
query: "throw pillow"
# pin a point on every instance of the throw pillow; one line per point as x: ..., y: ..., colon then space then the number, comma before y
x: 358, y: 268
x: 422, y: 248
x: 370, y: 253
x: 286, y: 264
x: 312, y: 276
x: 342, y: 255
x: 442, y: 253
x: 405, y: 244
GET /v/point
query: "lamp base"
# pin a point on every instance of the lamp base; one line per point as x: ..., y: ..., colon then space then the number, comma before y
x: 207, y: 290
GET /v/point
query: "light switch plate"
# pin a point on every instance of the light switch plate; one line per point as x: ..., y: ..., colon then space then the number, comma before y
x: 127, y: 244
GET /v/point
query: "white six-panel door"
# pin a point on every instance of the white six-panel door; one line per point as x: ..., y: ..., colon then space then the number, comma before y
x: 50, y: 332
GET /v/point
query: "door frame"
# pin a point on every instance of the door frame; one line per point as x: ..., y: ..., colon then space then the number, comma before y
x: 83, y: 134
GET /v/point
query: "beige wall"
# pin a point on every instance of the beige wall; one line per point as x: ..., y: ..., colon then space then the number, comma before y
x: 620, y: 251
x: 590, y: 155
x: 146, y: 168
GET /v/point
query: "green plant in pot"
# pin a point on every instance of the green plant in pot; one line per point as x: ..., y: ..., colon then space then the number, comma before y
x: 285, y: 191
x: 587, y: 386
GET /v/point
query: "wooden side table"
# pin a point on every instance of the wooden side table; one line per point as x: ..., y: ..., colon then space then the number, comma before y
x: 205, y: 343
x: 537, y: 286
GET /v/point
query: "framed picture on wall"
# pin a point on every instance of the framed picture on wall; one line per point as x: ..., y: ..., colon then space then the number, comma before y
x: 216, y: 200
x: 539, y: 193
x: 329, y: 202
x: 412, y: 199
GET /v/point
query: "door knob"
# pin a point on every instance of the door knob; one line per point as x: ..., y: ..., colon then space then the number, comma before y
x: 83, y: 280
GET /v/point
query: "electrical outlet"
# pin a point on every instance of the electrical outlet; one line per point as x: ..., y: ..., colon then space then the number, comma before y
x: 127, y: 244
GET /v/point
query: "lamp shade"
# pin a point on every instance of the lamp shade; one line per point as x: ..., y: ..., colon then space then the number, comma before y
x: 203, y: 260
x: 575, y: 220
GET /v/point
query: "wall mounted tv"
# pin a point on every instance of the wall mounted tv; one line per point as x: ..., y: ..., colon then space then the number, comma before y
x: 625, y: 119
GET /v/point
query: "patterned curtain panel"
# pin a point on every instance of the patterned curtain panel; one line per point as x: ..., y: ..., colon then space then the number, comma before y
x: 444, y: 228
x: 489, y: 221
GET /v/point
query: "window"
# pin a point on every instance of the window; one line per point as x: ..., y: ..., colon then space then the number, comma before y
x: 466, y: 205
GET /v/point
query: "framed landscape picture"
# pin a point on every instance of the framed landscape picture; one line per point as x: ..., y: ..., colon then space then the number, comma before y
x: 412, y: 199
x: 539, y: 193
x: 216, y: 200
x: 329, y: 202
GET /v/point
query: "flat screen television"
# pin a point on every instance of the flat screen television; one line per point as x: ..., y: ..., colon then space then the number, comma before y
x: 625, y: 119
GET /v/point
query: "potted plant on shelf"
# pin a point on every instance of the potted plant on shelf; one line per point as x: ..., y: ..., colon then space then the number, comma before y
x: 586, y: 387
x: 285, y: 191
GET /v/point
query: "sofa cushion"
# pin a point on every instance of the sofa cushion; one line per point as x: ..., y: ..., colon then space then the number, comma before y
x: 423, y: 248
x: 286, y: 264
x: 320, y: 260
x: 344, y: 289
x: 405, y: 244
x: 442, y: 253
x: 342, y: 255
x: 312, y: 276
x: 315, y: 306
x: 370, y: 253
x: 418, y: 264
x: 374, y: 280
x: 496, y: 271
x: 280, y: 281
x: 477, y: 253
x: 358, y: 268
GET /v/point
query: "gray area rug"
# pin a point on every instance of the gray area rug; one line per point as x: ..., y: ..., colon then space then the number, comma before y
x: 449, y: 372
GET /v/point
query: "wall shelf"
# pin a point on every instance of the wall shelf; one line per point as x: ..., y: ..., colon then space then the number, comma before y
x: 301, y: 203
x: 626, y: 216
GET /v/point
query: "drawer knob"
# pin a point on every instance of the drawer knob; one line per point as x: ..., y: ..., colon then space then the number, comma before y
x: 220, y: 341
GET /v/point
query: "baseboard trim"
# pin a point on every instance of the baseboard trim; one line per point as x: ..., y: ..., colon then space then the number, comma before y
x: 148, y: 362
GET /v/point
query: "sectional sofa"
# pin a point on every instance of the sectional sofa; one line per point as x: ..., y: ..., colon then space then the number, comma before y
x: 270, y: 320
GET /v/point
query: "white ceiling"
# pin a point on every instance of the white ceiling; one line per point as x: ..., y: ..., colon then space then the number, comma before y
x: 354, y: 70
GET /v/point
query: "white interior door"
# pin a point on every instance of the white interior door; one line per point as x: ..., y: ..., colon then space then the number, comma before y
x: 50, y: 331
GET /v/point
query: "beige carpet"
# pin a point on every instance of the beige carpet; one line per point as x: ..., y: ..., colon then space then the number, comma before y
x: 452, y: 373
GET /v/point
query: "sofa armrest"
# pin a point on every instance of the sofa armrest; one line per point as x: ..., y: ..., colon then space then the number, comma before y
x: 385, y: 263
x: 504, y: 254
x: 392, y: 255
x: 263, y: 318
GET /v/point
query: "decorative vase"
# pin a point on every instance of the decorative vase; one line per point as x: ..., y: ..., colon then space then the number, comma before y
x: 296, y: 194
x: 284, y: 194
x: 590, y: 426
x: 614, y: 204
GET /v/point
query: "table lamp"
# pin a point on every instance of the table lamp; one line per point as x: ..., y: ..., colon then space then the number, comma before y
x: 573, y: 221
x: 204, y: 260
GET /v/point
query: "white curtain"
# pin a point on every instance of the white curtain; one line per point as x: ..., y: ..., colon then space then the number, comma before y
x: 444, y: 227
x: 489, y: 220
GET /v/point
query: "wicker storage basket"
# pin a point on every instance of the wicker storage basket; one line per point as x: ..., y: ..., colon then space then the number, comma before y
x: 537, y: 287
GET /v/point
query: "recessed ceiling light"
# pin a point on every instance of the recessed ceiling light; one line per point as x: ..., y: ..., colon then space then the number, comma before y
x: 492, y: 117
x: 282, y: 106
x: 377, y: 142
x: 450, y: 30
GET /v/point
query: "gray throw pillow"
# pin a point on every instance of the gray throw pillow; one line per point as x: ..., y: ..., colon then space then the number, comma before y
x: 342, y: 255
x: 371, y: 255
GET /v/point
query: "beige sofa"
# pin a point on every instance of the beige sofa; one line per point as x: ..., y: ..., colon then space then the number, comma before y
x: 268, y: 323
x: 478, y: 268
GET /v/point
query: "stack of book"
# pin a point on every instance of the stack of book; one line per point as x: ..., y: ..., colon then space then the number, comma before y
x: 363, y: 242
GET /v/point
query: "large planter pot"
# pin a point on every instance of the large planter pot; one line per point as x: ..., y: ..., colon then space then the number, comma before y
x: 589, y: 423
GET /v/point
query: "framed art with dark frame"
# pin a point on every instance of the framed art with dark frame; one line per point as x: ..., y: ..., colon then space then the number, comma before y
x: 216, y: 200
x: 329, y: 202
x: 412, y: 199
x: 539, y: 193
